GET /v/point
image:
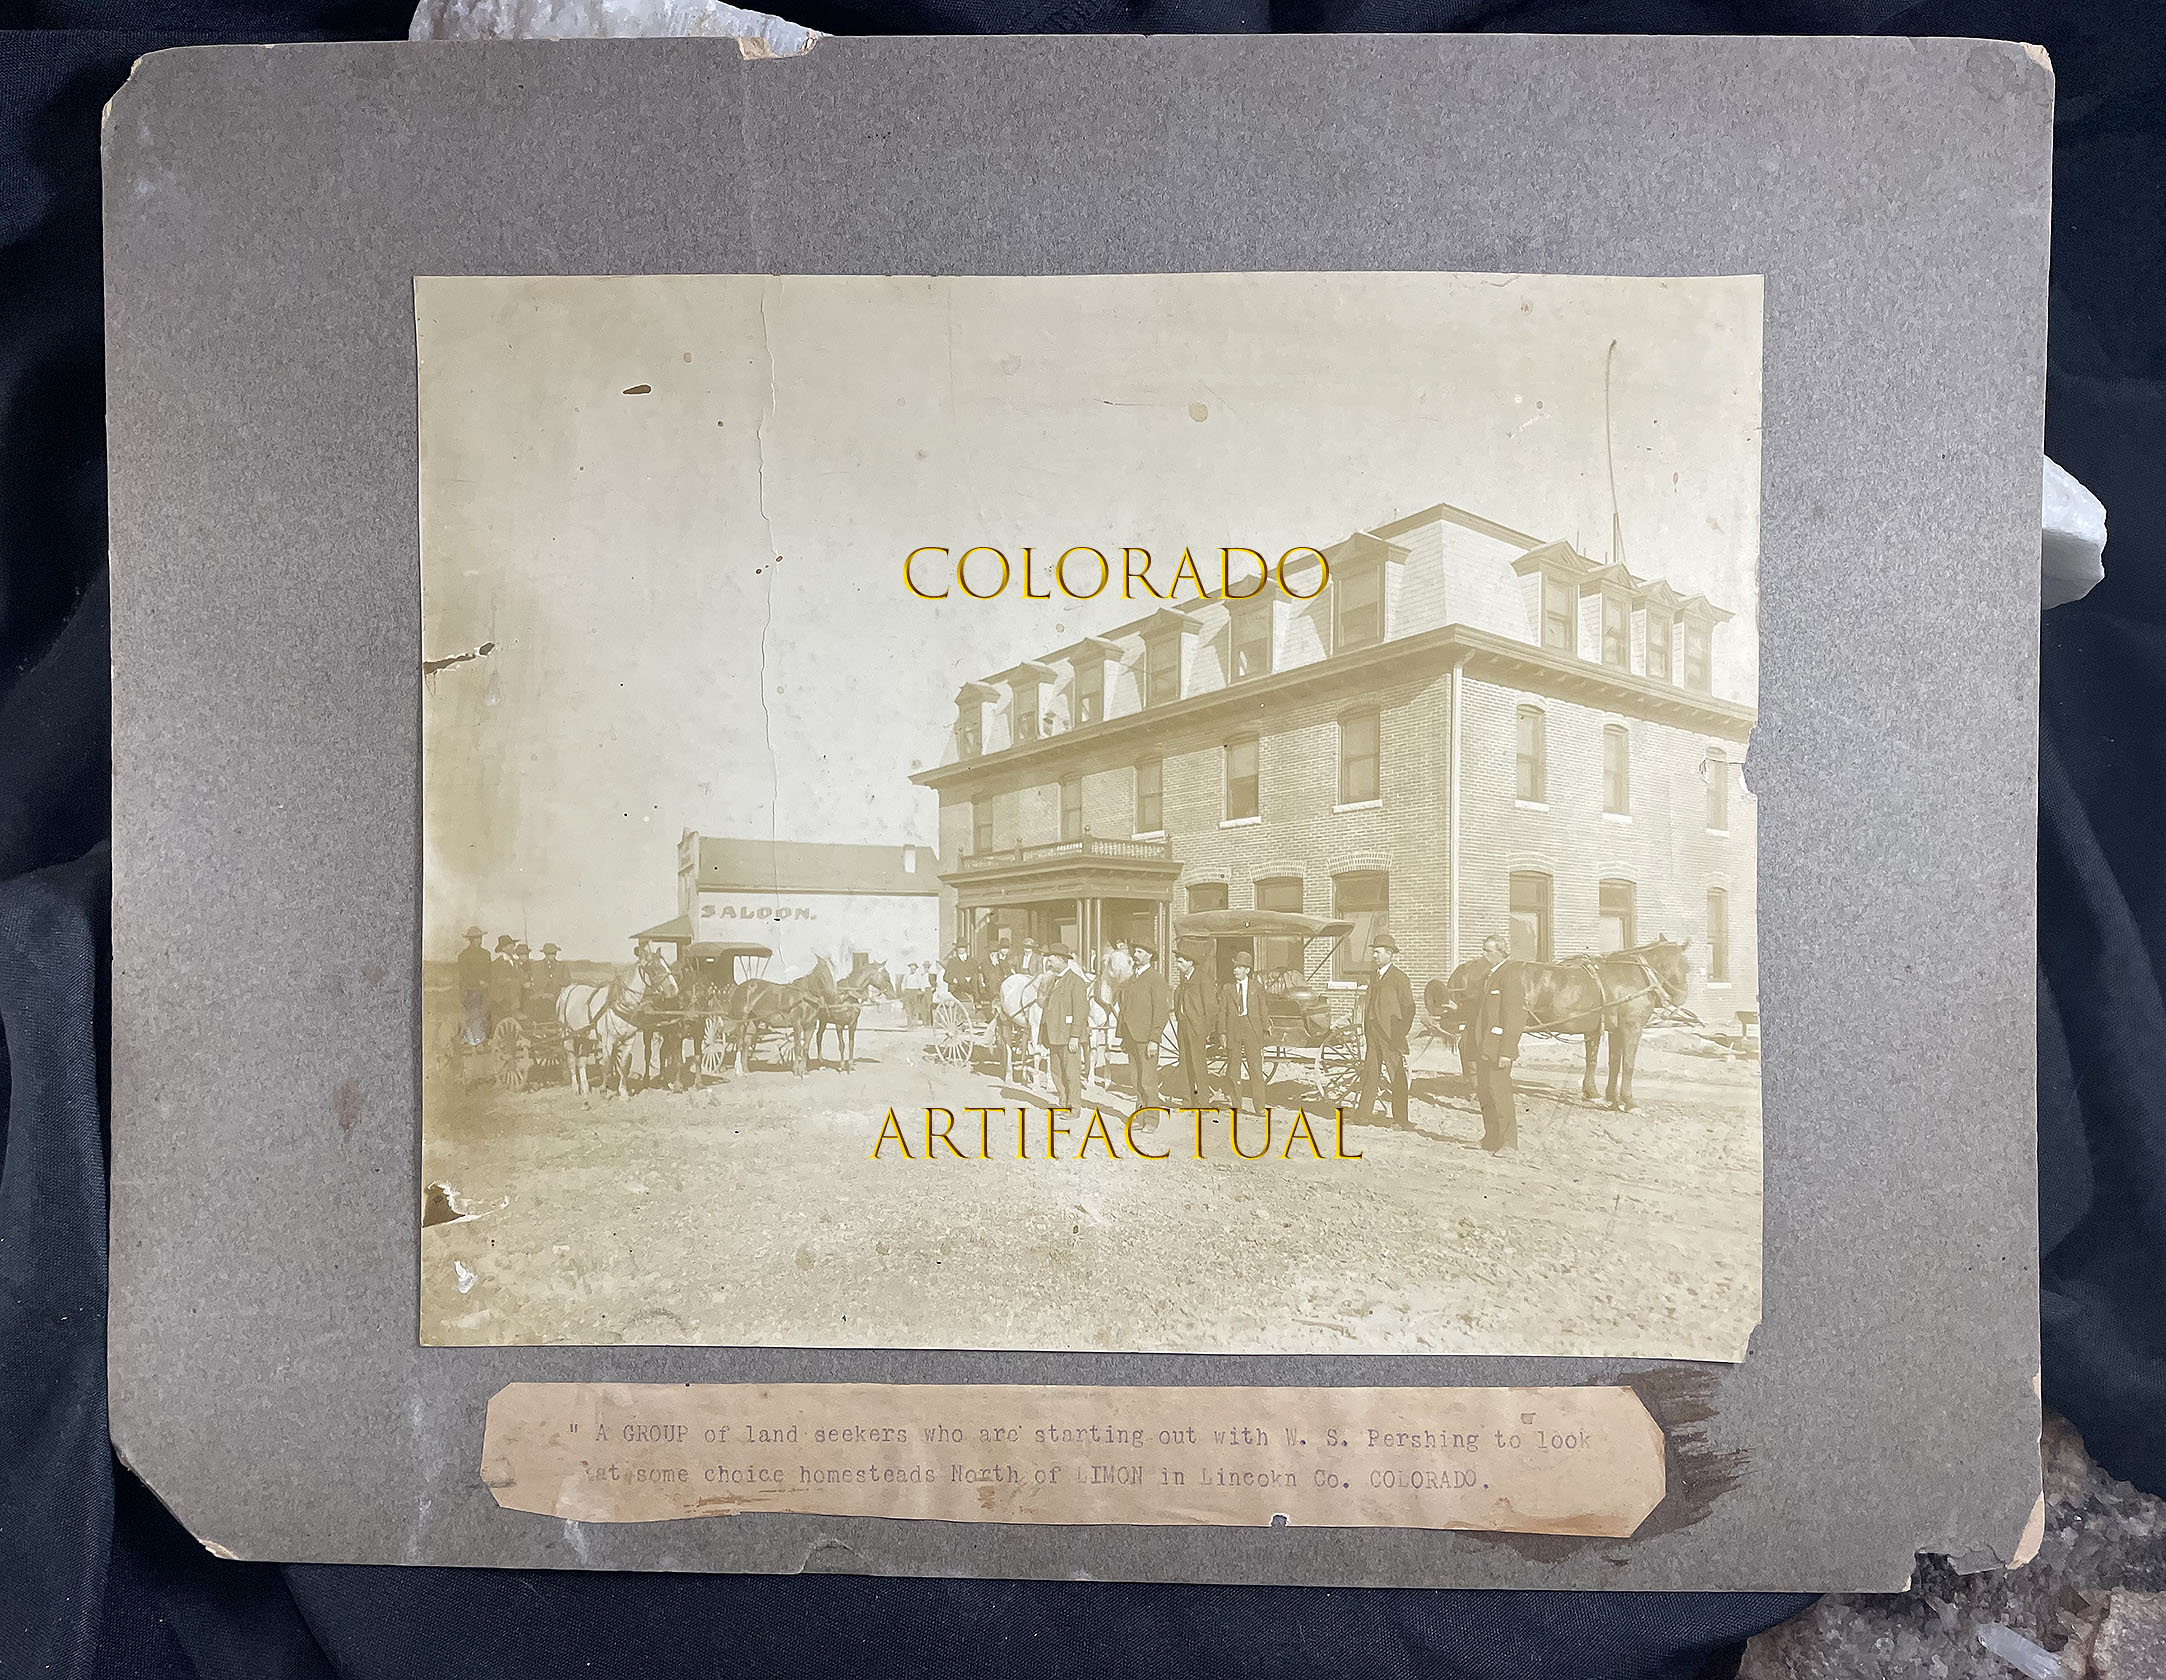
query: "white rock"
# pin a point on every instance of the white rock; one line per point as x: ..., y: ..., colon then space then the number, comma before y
x: 2022, y: 1653
x: 758, y: 35
x: 2074, y: 551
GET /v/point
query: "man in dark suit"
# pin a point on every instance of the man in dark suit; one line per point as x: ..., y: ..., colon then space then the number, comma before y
x: 1386, y: 1014
x: 1064, y: 1023
x: 1490, y: 1042
x: 1244, y: 1021
x: 1142, y: 1009
x: 1195, y: 1018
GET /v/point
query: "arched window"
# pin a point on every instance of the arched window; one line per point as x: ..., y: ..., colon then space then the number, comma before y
x: 1617, y: 916
x: 1616, y: 771
x: 1718, y: 936
x: 1718, y: 792
x: 1533, y: 784
x: 1531, y: 917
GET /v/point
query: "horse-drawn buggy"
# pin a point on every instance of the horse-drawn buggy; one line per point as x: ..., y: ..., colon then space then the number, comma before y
x: 1314, y: 1026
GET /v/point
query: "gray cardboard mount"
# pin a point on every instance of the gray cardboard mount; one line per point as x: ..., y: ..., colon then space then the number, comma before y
x: 266, y: 212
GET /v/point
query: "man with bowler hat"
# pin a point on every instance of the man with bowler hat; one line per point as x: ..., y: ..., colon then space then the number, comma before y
x: 1144, y: 1006
x: 1064, y: 1021
x: 1245, y: 1024
x: 1194, y: 1012
x: 1490, y: 1042
x: 1387, y: 1011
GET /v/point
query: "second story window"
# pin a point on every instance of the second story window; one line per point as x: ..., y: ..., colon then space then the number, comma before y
x: 1358, y: 608
x: 1616, y: 633
x: 1560, y: 616
x: 1359, y: 781
x: 1697, y: 674
x: 970, y: 734
x: 1071, y: 808
x: 1718, y: 793
x: 981, y: 826
x: 1658, y: 647
x: 1150, y: 797
x: 1251, y: 641
x: 1087, y: 699
x: 1161, y: 670
x: 1616, y: 771
x: 1026, y: 712
x: 1533, y: 783
x: 1241, y: 780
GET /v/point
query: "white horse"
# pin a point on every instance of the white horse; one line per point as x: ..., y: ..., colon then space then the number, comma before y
x: 603, y: 1016
x: 1020, y: 1015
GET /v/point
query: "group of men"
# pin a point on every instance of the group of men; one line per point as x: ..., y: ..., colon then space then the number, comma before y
x: 492, y: 988
x: 1141, y: 1000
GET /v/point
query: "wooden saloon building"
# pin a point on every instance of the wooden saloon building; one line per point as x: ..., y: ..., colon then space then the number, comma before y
x: 1471, y: 730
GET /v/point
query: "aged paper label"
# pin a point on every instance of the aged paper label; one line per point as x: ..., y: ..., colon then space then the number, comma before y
x: 1518, y: 1460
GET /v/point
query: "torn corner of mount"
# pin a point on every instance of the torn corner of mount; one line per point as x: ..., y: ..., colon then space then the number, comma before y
x: 2072, y: 560
x: 757, y: 34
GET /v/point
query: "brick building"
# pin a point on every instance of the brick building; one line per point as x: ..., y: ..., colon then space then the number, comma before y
x: 1469, y: 730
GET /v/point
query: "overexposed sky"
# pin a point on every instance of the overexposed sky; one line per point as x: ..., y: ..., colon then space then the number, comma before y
x: 657, y: 668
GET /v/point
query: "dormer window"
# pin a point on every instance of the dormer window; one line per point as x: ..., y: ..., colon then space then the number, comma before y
x: 1560, y: 615
x: 1658, y: 647
x: 1699, y: 672
x: 1087, y: 699
x: 970, y: 706
x: 1026, y: 712
x: 1162, y: 670
x: 1358, y: 593
x: 1616, y: 632
x: 1251, y: 641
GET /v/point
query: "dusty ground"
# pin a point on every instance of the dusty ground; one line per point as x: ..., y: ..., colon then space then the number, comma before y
x: 751, y: 1213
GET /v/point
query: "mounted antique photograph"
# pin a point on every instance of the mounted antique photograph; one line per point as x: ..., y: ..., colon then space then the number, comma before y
x: 1185, y: 813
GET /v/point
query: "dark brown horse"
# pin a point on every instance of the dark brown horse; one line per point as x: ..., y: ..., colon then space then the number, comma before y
x: 844, y: 1004
x: 1589, y: 996
x: 757, y: 1007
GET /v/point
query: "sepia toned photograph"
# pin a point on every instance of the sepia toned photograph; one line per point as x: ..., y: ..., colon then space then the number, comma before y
x: 1187, y: 813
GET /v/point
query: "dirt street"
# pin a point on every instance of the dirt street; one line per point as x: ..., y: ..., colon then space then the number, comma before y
x: 752, y: 1212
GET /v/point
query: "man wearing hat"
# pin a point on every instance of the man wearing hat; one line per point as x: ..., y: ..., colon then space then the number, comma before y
x: 550, y: 976
x: 1141, y: 1014
x: 474, y: 988
x: 507, y: 987
x: 1489, y: 1044
x: 1244, y: 1021
x: 1193, y: 1009
x: 1064, y: 1022
x: 1386, y: 1014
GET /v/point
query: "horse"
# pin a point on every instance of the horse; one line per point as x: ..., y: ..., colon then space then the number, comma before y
x: 754, y: 1007
x: 609, y: 1017
x: 843, y: 1007
x: 1018, y: 1016
x: 1616, y: 994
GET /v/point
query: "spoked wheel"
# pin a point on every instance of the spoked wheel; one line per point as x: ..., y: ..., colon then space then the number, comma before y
x: 514, y: 1055
x: 1339, y: 1065
x: 956, y: 1030
x: 714, y: 1048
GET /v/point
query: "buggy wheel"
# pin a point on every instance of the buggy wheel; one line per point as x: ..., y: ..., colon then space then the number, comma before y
x: 1338, y: 1064
x: 714, y: 1048
x: 514, y: 1056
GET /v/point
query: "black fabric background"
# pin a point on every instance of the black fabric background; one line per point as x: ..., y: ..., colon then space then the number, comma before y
x: 95, y: 1578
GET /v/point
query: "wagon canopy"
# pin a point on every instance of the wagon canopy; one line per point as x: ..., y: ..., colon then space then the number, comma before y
x: 1257, y: 924
x: 702, y: 950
